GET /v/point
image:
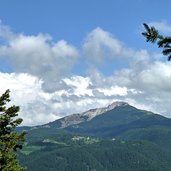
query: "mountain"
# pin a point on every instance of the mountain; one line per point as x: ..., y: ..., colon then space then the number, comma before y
x: 108, y: 121
x: 75, y: 119
x: 116, y: 137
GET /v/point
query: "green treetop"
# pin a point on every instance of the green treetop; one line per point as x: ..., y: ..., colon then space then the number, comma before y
x: 9, y: 139
x: 153, y: 36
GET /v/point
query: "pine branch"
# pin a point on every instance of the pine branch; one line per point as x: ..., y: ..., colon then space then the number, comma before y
x: 152, y: 35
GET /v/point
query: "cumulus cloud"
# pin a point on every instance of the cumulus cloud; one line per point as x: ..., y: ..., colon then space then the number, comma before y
x: 79, y: 85
x: 99, y: 43
x: 114, y: 90
x: 144, y: 83
x: 38, y: 55
x: 102, y: 47
x: 146, y: 87
x: 40, y: 86
x: 39, y: 107
x: 26, y: 92
x: 162, y: 26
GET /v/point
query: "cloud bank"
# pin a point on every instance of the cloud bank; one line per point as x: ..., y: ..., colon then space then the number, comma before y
x: 44, y: 91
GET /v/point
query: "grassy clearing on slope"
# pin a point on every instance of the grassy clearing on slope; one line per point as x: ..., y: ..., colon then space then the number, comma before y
x: 29, y: 149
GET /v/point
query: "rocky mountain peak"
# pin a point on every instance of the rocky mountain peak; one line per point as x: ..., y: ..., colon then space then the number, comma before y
x: 95, y: 112
x: 88, y: 115
x: 116, y: 104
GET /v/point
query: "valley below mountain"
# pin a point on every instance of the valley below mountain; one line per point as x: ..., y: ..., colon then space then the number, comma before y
x: 117, y: 137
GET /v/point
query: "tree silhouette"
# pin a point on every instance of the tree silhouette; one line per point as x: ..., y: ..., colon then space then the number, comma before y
x: 9, y: 139
x: 153, y: 36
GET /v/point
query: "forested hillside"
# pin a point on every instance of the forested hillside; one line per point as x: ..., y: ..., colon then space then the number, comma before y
x: 124, y: 138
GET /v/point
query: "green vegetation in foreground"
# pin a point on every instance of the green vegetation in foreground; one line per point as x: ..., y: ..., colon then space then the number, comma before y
x: 29, y: 149
x: 100, y: 154
x: 10, y: 140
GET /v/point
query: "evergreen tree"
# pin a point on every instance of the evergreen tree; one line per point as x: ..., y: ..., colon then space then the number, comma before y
x: 9, y: 139
x: 153, y: 36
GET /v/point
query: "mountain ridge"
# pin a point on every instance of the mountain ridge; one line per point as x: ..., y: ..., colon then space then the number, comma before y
x: 118, y: 137
x: 88, y: 115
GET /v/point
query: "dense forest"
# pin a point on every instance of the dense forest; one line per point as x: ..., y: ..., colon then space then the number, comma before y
x: 124, y: 138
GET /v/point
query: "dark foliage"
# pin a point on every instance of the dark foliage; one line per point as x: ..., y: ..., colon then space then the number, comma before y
x: 153, y: 36
x: 123, y: 139
x: 9, y: 139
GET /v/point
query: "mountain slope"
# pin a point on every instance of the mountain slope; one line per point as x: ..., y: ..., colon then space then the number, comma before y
x: 70, y: 152
x: 75, y: 119
x: 118, y: 120
x: 117, y: 137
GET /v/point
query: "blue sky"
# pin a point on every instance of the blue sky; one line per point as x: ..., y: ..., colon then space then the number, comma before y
x: 56, y: 53
x: 72, y: 20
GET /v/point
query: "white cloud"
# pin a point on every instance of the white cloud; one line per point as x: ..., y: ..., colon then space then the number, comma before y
x: 148, y: 86
x: 80, y: 85
x: 100, y: 43
x: 38, y: 55
x: 12, y: 81
x: 145, y: 83
x: 162, y: 26
x: 101, y: 47
x: 44, y: 93
x: 114, y: 90
x: 38, y: 107
x: 5, y: 31
x: 27, y: 93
